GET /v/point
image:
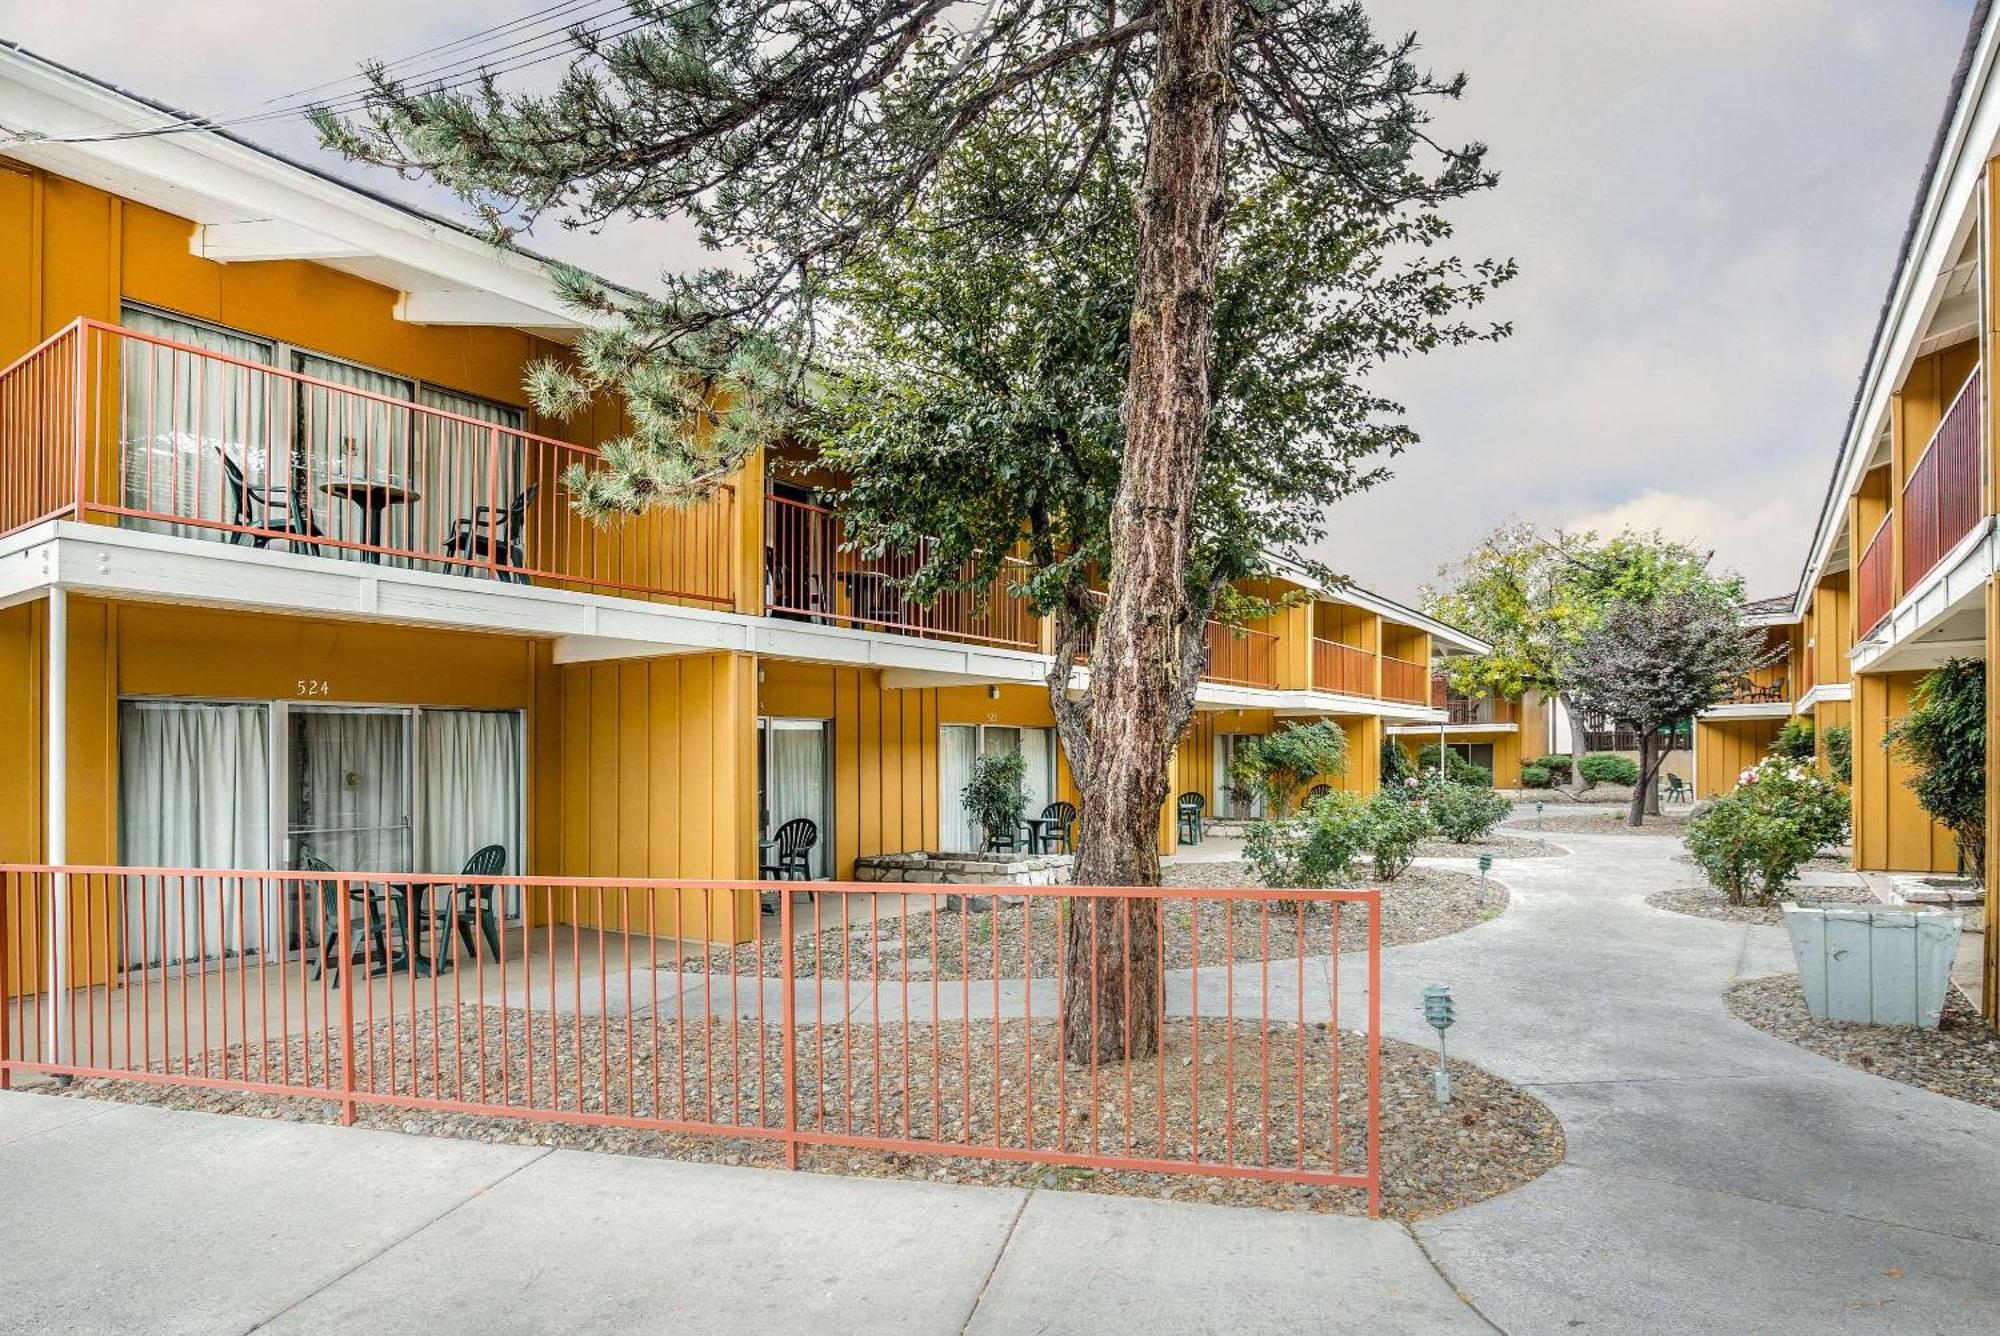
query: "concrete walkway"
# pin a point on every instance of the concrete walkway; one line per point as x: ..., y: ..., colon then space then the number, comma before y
x: 1717, y: 1180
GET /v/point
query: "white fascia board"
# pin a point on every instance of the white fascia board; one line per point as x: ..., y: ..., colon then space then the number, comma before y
x: 1825, y: 691
x: 259, y: 239
x: 1763, y: 709
x: 27, y: 564
x: 209, y: 178
x: 1948, y: 587
x: 1454, y: 730
x: 1947, y: 210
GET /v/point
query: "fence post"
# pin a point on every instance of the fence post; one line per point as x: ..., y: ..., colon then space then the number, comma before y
x: 493, y: 501
x: 344, y: 962
x: 787, y: 1024
x: 8, y: 883
x: 1374, y: 1050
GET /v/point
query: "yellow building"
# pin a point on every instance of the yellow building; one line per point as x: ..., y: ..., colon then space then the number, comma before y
x: 1900, y: 574
x: 288, y: 572
x: 1490, y: 731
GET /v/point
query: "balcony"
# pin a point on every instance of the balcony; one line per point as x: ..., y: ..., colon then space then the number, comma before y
x: 1233, y: 656
x: 1766, y: 687
x: 812, y: 573
x: 1342, y: 669
x: 1874, y: 580
x: 1403, y: 680
x: 108, y: 424
x: 1942, y: 500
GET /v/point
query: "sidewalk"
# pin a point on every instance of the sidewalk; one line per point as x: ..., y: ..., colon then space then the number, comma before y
x: 127, y: 1219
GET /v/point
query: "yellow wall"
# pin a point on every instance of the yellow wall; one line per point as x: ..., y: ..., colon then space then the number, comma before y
x: 1725, y: 748
x: 1891, y: 832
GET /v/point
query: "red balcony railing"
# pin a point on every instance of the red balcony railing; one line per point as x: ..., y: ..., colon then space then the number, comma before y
x: 106, y: 422
x: 811, y: 572
x: 876, y: 1021
x: 1942, y: 500
x: 1405, y: 681
x: 1874, y: 581
x: 1343, y: 669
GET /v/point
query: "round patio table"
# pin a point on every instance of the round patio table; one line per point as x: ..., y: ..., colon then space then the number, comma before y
x: 374, y: 496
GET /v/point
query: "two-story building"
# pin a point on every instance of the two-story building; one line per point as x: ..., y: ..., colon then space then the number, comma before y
x: 289, y: 575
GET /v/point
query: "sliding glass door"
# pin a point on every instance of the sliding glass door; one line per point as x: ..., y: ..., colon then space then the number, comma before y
x: 793, y: 782
x: 350, y: 800
x: 958, y: 745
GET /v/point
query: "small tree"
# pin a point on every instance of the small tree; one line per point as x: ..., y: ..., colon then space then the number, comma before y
x: 1944, y: 738
x: 1650, y: 665
x: 997, y: 796
x: 1280, y: 764
x: 1838, y: 739
x: 1397, y: 766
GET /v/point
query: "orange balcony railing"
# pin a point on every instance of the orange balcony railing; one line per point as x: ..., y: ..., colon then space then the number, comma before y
x: 1405, y: 681
x: 1874, y: 581
x: 102, y: 422
x: 1942, y: 500
x: 1240, y: 656
x: 812, y: 572
x: 1343, y: 669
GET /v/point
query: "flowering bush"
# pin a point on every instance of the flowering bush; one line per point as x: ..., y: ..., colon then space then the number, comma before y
x: 1394, y: 830
x: 1464, y: 812
x: 1752, y: 841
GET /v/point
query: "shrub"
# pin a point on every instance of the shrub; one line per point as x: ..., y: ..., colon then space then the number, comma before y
x: 1838, y: 739
x: 1461, y: 771
x: 1557, y: 764
x: 1944, y: 738
x: 1396, y: 765
x: 1314, y: 849
x: 1794, y: 741
x: 1608, y: 768
x: 1395, y: 828
x: 1280, y: 764
x: 1464, y: 812
x: 1536, y: 776
x: 1750, y: 842
x: 997, y: 797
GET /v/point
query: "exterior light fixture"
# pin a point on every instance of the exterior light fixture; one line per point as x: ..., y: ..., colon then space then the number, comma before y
x: 1538, y: 814
x: 1438, y: 1014
x: 1479, y: 896
x: 993, y: 693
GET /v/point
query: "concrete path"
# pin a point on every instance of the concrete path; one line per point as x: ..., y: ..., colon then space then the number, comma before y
x: 120, y: 1218
x: 1717, y: 1180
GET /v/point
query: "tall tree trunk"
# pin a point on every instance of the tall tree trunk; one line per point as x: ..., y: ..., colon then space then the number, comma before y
x: 1137, y: 660
x: 1576, y: 747
x: 1636, y: 815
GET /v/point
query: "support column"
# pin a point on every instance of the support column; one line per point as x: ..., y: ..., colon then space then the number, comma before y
x: 55, y: 807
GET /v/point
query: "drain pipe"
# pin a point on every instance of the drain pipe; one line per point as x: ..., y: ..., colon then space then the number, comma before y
x: 55, y: 802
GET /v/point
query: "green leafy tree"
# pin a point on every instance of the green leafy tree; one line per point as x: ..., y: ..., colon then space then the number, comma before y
x: 996, y: 795
x: 1281, y: 763
x: 1795, y: 741
x: 1532, y: 595
x: 1397, y: 767
x: 1944, y: 738
x: 797, y: 137
x: 1838, y: 740
x: 1649, y: 665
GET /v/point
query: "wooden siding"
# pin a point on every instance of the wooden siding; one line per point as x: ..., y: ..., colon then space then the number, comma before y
x: 1891, y: 832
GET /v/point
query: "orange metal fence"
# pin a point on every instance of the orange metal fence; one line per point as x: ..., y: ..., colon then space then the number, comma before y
x: 1942, y: 500
x: 178, y: 439
x: 811, y: 572
x: 898, y: 1020
x: 1343, y: 668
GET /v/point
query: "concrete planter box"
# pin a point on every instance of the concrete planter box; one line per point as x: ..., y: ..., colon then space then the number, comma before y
x: 1880, y: 965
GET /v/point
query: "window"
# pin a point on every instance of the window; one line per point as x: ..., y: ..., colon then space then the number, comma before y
x: 793, y: 756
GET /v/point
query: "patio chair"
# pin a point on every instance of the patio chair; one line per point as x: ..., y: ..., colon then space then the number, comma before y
x: 791, y: 851
x: 1064, y: 831
x: 1318, y: 791
x: 795, y: 595
x: 1191, y: 806
x: 1677, y: 789
x: 471, y: 904
x: 374, y: 945
x: 487, y: 534
x: 267, y: 509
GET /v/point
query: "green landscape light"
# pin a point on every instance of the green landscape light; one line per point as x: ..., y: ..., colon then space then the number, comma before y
x: 1438, y: 1014
x: 1479, y: 896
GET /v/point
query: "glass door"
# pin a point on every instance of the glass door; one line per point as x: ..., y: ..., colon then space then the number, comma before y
x: 351, y: 802
x: 793, y: 784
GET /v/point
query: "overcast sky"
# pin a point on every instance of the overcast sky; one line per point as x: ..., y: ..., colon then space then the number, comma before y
x: 1704, y: 197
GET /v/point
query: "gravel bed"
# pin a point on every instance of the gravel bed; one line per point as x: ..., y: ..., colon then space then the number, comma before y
x: 1709, y: 903
x: 1961, y: 1058
x: 1500, y: 846
x: 1605, y: 823
x: 1421, y: 904
x: 936, y: 1084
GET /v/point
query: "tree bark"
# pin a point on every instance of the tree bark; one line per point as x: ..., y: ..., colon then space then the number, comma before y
x: 1636, y: 815
x: 1139, y: 653
x: 1576, y: 745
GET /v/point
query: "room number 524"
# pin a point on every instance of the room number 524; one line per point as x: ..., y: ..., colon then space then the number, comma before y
x: 315, y: 686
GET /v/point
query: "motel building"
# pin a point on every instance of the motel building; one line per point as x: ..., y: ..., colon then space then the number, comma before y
x: 1900, y: 573
x: 289, y: 579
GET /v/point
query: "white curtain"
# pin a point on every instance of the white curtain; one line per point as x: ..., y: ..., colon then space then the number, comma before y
x: 468, y: 786
x: 345, y: 438
x: 350, y: 789
x: 182, y: 413
x: 194, y: 792
x: 452, y: 472
x: 1038, y: 746
x: 795, y: 780
x: 957, y: 745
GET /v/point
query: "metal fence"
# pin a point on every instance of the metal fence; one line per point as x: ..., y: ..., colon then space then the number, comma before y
x: 903, y: 1020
